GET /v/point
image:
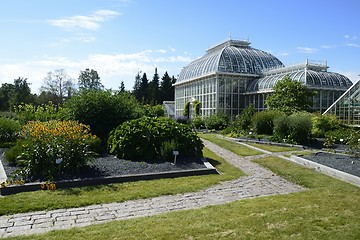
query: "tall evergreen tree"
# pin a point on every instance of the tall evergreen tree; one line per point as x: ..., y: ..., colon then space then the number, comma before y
x: 166, y: 88
x: 21, y: 93
x: 122, y: 86
x: 143, y: 91
x: 137, y: 86
x: 154, y: 93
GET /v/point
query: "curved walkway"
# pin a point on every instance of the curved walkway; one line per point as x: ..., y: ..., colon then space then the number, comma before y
x: 259, y: 182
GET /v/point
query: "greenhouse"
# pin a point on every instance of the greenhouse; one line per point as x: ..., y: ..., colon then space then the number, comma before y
x: 233, y: 75
x: 347, y: 107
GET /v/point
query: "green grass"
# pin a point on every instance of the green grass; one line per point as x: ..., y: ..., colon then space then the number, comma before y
x: 328, y: 209
x: 78, y: 197
x: 273, y: 148
x: 239, y: 149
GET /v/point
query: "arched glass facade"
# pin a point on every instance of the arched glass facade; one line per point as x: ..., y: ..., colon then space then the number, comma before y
x: 233, y: 75
x: 347, y: 107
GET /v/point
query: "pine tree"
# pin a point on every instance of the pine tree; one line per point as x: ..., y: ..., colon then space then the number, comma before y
x: 122, y: 86
x: 154, y: 93
x: 144, y: 88
x: 166, y: 88
x: 137, y: 86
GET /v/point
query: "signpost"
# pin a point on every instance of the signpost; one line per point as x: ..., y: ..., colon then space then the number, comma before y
x: 176, y: 153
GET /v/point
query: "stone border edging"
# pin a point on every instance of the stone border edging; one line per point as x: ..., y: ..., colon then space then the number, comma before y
x: 327, y: 170
x: 28, y: 187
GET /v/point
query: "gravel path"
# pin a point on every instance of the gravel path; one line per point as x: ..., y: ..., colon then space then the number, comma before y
x: 259, y: 182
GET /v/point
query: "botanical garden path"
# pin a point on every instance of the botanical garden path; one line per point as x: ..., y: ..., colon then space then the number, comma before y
x: 258, y: 182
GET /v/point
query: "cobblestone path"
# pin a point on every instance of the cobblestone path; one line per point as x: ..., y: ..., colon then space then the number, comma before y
x: 258, y: 182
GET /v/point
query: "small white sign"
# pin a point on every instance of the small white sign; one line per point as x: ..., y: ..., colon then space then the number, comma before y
x: 58, y: 160
x: 176, y: 153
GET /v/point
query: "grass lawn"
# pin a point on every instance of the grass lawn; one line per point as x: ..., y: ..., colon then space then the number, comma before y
x: 329, y: 209
x: 78, y: 197
x: 230, y: 145
x: 273, y: 148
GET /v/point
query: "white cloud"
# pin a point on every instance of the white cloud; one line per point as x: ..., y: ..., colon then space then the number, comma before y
x: 328, y: 46
x: 91, y: 22
x: 112, y: 68
x: 350, y: 37
x: 307, y: 50
x: 353, y: 45
x: 172, y: 49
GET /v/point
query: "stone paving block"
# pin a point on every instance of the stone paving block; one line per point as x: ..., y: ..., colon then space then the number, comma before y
x: 18, y: 229
x: 42, y: 225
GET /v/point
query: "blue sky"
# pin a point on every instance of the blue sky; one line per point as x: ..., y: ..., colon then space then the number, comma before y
x: 118, y: 38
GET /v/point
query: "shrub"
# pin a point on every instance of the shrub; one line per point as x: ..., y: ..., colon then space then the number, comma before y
x: 295, y: 128
x: 103, y: 111
x: 324, y: 123
x: 300, y: 127
x: 281, y: 130
x: 243, y: 121
x: 154, y: 111
x: 343, y: 133
x: 154, y: 139
x: 198, y: 122
x: 218, y: 121
x: 263, y: 122
x: 9, y: 129
x: 45, y: 112
x: 43, y: 143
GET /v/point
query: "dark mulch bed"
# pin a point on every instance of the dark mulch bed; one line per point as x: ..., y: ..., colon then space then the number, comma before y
x: 344, y: 163
x: 109, y: 165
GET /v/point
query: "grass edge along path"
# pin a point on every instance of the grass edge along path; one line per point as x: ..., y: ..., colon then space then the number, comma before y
x: 230, y: 145
x: 328, y: 210
x: 85, y: 196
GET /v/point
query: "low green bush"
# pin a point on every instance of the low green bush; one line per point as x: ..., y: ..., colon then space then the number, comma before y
x: 300, y: 127
x: 154, y: 139
x: 217, y: 121
x: 295, y: 128
x: 263, y: 122
x: 324, y: 123
x: 9, y: 130
x: 44, y: 112
x: 198, y: 122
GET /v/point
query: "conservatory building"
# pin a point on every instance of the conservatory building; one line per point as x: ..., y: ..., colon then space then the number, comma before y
x: 233, y: 75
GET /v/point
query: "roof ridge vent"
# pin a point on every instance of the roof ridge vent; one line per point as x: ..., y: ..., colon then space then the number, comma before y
x: 228, y: 43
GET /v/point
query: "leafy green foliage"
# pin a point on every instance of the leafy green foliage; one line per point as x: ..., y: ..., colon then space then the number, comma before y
x: 45, y: 112
x: 103, y: 111
x: 44, y: 143
x: 198, y: 122
x: 154, y: 139
x: 9, y: 129
x: 217, y: 121
x: 263, y: 122
x: 186, y: 112
x: 89, y: 80
x: 244, y: 119
x: 153, y: 111
x: 290, y: 96
x: 295, y: 128
x: 324, y: 123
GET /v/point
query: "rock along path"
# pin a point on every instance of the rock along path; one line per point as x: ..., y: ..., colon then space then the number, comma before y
x: 258, y: 182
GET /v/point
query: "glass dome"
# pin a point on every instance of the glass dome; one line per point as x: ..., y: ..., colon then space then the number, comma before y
x: 311, y: 78
x: 233, y: 56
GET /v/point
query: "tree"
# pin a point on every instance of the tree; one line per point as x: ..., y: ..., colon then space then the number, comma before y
x: 20, y: 94
x: 143, y: 91
x: 5, y: 95
x: 137, y: 86
x: 154, y: 93
x: 59, y: 84
x: 167, y: 91
x: 12, y: 95
x: 89, y: 80
x: 290, y: 96
x: 122, y: 87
